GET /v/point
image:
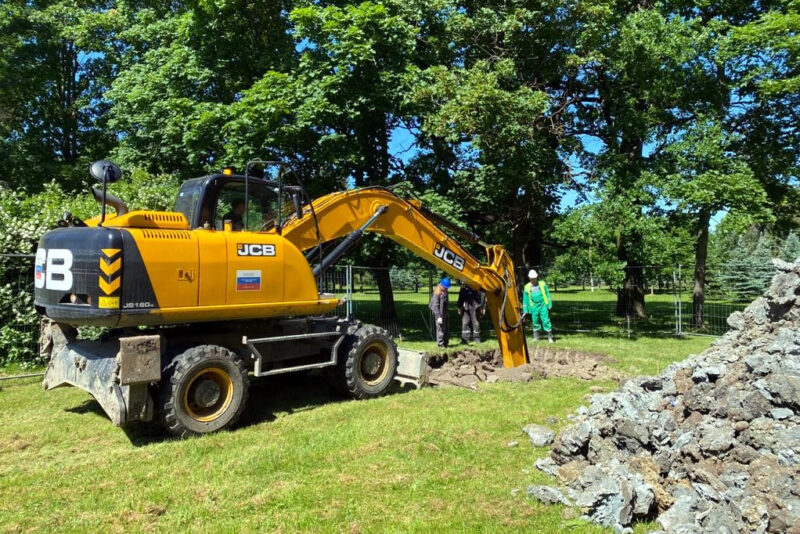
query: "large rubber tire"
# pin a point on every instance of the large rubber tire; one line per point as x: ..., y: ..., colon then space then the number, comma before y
x: 368, y: 363
x: 204, y: 389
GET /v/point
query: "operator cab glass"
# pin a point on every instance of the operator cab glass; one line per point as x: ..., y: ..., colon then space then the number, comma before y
x: 188, y: 200
x: 208, y: 201
x: 260, y: 213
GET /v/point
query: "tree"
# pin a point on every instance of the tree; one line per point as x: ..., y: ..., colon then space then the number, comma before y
x: 791, y: 248
x: 488, y: 124
x: 508, y: 184
x: 586, y: 243
x: 182, y: 65
x: 634, y: 77
x: 749, y: 271
x: 54, y: 66
x: 706, y: 177
x: 759, y: 61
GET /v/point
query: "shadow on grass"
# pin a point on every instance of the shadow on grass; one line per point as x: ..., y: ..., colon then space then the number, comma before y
x: 290, y: 393
x: 88, y: 406
x: 294, y: 393
x: 285, y: 394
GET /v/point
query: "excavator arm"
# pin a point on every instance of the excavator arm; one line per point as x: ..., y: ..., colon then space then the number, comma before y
x: 406, y: 222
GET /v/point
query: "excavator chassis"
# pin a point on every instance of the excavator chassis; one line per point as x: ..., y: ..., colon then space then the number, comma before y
x: 122, y: 372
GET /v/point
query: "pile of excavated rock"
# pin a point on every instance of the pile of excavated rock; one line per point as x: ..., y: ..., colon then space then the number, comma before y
x: 710, y: 445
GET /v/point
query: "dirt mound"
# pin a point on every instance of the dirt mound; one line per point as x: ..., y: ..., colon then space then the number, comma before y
x: 710, y: 445
x: 468, y: 367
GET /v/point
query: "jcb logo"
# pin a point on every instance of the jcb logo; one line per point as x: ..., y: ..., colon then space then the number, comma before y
x: 53, y: 269
x: 448, y: 256
x: 248, y: 249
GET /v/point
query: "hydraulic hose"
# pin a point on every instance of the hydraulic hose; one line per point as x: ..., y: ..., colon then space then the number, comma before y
x: 505, y: 326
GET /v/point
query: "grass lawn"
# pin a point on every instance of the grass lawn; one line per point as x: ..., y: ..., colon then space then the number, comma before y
x: 302, y: 460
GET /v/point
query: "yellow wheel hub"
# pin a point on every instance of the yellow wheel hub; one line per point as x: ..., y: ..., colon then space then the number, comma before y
x: 374, y: 365
x: 208, y: 394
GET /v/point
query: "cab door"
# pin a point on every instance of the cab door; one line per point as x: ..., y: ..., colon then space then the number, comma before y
x: 213, y: 248
x: 255, y: 260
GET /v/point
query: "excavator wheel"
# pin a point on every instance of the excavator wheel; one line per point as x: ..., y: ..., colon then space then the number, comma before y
x: 204, y: 389
x: 368, y: 363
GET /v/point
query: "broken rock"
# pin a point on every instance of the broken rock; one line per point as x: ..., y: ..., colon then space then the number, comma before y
x: 540, y: 436
x: 710, y: 445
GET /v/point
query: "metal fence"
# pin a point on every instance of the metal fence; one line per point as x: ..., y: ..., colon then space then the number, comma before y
x: 659, y: 302
x: 19, y: 326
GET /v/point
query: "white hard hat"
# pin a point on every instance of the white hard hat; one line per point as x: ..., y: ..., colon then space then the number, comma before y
x: 533, y: 274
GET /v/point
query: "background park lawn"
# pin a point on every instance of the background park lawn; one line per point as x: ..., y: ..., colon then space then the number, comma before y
x: 575, y: 310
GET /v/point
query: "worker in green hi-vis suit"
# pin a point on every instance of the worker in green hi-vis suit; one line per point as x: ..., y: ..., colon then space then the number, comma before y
x: 537, y: 303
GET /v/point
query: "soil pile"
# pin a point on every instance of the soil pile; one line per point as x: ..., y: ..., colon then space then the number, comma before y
x: 468, y: 367
x: 710, y: 445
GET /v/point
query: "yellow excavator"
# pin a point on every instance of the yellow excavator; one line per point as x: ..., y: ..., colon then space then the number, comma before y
x: 224, y: 287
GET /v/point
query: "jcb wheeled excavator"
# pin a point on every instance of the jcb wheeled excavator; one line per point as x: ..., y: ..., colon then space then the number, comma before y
x: 200, y: 299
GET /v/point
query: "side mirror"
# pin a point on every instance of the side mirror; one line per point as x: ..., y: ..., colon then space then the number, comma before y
x: 105, y: 171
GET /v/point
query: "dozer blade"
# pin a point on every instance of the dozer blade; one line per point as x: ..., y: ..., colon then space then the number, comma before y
x: 92, y: 367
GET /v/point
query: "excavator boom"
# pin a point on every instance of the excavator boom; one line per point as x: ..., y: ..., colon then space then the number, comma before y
x: 406, y: 222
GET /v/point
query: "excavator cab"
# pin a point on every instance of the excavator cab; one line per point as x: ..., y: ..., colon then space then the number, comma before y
x: 208, y: 201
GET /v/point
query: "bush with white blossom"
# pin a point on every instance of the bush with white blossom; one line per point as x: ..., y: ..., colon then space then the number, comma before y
x: 23, y: 220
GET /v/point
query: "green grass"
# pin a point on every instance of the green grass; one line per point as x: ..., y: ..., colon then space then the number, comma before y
x: 301, y: 460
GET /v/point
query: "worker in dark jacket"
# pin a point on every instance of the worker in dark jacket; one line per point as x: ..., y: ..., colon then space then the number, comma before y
x: 438, y: 306
x: 471, y: 307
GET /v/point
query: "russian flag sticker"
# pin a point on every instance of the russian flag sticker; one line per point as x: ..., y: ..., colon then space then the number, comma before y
x: 39, y: 273
x: 248, y: 280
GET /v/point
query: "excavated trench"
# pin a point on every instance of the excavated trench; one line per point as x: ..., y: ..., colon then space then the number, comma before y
x: 469, y: 367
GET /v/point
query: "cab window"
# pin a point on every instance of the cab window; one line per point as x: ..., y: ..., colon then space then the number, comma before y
x: 188, y: 198
x: 231, y: 206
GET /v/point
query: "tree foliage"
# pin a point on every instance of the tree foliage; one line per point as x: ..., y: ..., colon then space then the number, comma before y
x: 658, y: 117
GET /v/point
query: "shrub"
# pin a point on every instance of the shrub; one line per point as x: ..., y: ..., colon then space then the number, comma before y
x: 24, y: 218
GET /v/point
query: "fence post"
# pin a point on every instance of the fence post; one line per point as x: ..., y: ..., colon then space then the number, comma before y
x: 680, y: 300
x: 675, y: 299
x: 679, y: 310
x: 349, y: 277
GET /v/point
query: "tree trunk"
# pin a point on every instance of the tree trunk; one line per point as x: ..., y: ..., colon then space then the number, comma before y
x: 630, y: 297
x: 532, y: 252
x: 388, y: 315
x: 700, y: 256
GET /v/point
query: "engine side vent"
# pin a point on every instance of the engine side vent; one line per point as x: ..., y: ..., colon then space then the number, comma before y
x: 164, y: 220
x: 165, y: 234
x: 163, y: 217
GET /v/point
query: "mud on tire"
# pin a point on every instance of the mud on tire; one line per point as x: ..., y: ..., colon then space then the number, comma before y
x: 204, y: 389
x: 367, y: 363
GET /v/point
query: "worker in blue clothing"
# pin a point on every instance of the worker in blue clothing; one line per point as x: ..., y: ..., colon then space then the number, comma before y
x: 537, y: 303
x: 438, y: 305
